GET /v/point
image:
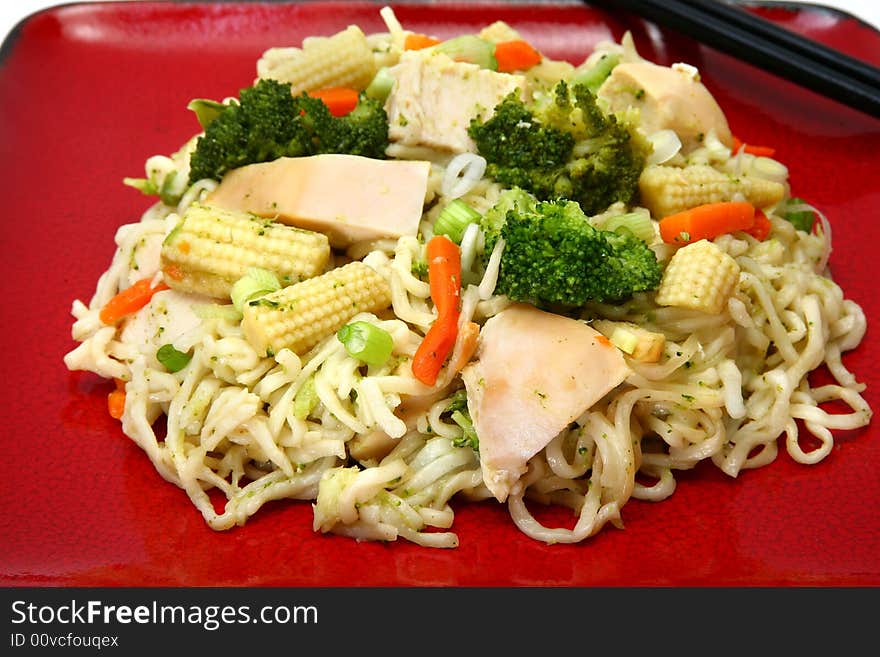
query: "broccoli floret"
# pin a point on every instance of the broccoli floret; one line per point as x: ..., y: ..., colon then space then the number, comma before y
x: 609, y: 158
x: 519, y: 151
x: 514, y: 138
x: 562, y: 146
x: 363, y: 131
x: 494, y: 218
x: 553, y: 257
x: 459, y: 414
x: 555, y: 110
x: 268, y: 122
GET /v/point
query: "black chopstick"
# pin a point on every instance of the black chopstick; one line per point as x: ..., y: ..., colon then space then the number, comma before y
x: 745, y: 36
x: 737, y: 15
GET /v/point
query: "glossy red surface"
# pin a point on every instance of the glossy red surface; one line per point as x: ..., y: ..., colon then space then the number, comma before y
x: 88, y: 92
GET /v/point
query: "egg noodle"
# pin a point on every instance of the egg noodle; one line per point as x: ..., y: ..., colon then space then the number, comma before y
x: 377, y: 454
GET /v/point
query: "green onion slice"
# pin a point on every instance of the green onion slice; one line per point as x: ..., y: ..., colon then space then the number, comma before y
x: 800, y: 214
x: 253, y: 285
x: 366, y: 342
x: 206, y: 110
x: 143, y: 185
x: 171, y: 358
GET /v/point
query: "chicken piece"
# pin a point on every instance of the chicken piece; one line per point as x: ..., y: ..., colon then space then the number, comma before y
x: 168, y: 318
x: 434, y: 99
x: 347, y: 197
x: 371, y: 447
x: 667, y: 98
x: 535, y: 373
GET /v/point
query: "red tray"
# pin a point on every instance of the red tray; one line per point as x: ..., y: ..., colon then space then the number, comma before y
x: 89, y: 91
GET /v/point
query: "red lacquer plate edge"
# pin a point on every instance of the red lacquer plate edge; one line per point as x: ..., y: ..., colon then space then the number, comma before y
x: 90, y: 90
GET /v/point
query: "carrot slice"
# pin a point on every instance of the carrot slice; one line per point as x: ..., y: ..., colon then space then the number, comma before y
x: 415, y: 41
x: 444, y: 279
x: 516, y: 55
x: 761, y: 151
x: 444, y: 273
x: 130, y: 300
x: 761, y: 228
x: 434, y: 348
x: 339, y: 100
x: 707, y: 221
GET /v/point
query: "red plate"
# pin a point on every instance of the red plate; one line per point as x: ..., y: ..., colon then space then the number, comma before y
x: 89, y: 91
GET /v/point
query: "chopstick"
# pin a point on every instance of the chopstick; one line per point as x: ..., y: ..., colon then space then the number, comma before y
x: 746, y: 36
x: 819, y: 52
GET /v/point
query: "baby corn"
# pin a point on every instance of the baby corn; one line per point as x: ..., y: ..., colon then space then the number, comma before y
x: 699, y: 276
x: 344, y: 59
x: 211, y: 248
x: 666, y: 190
x: 301, y: 315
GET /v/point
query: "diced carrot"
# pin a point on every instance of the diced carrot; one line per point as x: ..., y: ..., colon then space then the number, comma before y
x: 130, y: 300
x: 707, y: 221
x: 761, y: 151
x: 116, y: 400
x: 516, y: 55
x: 414, y: 41
x: 339, y: 100
x: 761, y: 228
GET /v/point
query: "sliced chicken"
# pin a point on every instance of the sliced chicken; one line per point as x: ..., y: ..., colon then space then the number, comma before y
x: 434, y: 99
x: 535, y: 373
x: 667, y: 98
x: 347, y: 197
x: 168, y: 318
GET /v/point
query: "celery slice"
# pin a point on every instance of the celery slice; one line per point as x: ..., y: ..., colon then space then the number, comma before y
x: 639, y: 224
x: 454, y: 219
x: 470, y: 48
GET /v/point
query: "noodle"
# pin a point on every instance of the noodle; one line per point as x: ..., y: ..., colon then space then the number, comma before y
x: 380, y: 454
